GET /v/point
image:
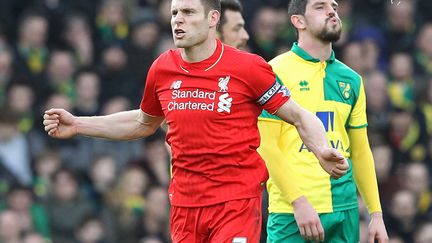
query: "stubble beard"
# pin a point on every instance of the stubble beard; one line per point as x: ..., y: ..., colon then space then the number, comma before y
x: 330, y: 33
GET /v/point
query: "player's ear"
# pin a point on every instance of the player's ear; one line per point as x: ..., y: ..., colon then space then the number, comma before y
x: 298, y: 21
x: 213, y: 18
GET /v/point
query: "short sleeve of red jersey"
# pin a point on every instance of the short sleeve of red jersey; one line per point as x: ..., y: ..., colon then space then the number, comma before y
x: 270, y: 93
x: 150, y: 103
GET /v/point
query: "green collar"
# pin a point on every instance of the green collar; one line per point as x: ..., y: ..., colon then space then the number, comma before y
x: 303, y: 54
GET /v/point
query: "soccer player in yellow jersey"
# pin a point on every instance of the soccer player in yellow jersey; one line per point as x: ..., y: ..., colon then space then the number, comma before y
x: 335, y: 93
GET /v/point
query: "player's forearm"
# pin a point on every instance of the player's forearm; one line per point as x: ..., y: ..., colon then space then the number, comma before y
x: 364, y: 169
x: 119, y: 126
x: 309, y: 127
x: 312, y: 133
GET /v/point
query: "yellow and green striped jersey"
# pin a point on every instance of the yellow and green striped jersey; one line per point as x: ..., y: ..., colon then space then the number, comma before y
x: 335, y: 93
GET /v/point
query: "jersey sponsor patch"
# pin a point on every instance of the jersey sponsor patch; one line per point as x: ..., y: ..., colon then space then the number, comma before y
x: 225, y: 103
x: 269, y: 93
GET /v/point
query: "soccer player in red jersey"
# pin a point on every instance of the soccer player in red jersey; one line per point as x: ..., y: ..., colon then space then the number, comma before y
x: 210, y: 95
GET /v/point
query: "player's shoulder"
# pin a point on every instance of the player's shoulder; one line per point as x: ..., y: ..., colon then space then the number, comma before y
x: 341, y: 67
x: 165, y: 60
x: 282, y: 60
x: 167, y: 55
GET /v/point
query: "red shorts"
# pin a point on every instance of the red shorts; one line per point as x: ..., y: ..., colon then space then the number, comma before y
x: 236, y: 221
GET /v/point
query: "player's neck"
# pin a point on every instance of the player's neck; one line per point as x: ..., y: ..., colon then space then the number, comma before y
x: 316, y: 48
x: 199, y: 52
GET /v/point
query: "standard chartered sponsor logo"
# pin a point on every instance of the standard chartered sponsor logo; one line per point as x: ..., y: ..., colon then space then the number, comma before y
x: 225, y: 103
x: 197, y: 99
x: 173, y: 105
x: 193, y: 94
x: 190, y: 105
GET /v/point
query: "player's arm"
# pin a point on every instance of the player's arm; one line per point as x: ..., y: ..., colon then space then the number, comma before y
x: 283, y: 176
x: 365, y: 178
x: 125, y: 125
x: 311, y: 131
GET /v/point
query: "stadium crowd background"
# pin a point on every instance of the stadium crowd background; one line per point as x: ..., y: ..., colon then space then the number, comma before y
x: 91, y: 57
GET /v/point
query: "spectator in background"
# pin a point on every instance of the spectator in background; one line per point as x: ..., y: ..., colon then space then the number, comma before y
x: 423, y: 233
x: 10, y: 228
x: 31, y: 50
x: 33, y: 237
x: 112, y: 23
x: 102, y: 177
x: 31, y: 216
x: 21, y: 101
x: 87, y: 87
x: 141, y: 51
x: 423, y: 52
x: 6, y: 71
x: 127, y: 203
x: 155, y: 159
x: 402, y: 83
x: 402, y: 218
x: 406, y: 137
x: 44, y: 167
x: 14, y: 150
x: 395, y: 238
x: 66, y: 207
x: 417, y: 180
x: 373, y: 45
x: 151, y: 239
x: 91, y: 230
x: 60, y: 70
x: 77, y: 35
x: 400, y: 26
x: 164, y: 20
x: 352, y: 55
x: 115, y: 77
x: 158, y: 165
x: 377, y: 106
x: 388, y: 180
x: 155, y: 218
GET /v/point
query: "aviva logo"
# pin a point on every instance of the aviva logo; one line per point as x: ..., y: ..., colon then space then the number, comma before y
x: 304, y: 85
x: 327, y: 119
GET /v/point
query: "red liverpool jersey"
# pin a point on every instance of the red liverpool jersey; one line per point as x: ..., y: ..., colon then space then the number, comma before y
x: 211, y: 108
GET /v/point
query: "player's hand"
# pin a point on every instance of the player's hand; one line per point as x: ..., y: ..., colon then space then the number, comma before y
x: 307, y: 220
x: 59, y: 123
x: 333, y: 163
x: 377, y: 230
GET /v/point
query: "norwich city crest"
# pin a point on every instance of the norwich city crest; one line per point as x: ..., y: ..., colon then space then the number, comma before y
x: 345, y: 89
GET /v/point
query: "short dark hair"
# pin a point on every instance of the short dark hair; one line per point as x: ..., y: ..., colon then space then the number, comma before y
x: 297, y: 7
x: 211, y: 5
x: 233, y: 5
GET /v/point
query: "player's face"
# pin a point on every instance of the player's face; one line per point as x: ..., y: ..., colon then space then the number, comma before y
x: 189, y: 23
x: 322, y: 20
x: 233, y: 32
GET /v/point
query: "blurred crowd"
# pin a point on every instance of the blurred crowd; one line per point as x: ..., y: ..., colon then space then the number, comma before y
x: 91, y: 58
